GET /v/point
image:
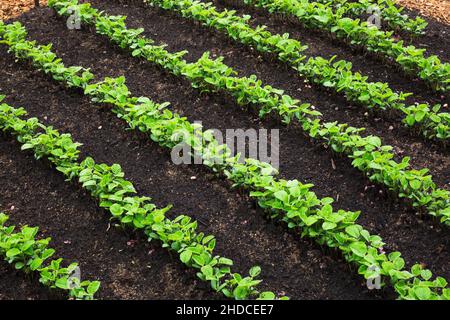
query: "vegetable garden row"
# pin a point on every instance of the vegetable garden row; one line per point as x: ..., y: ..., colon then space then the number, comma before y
x: 290, y: 202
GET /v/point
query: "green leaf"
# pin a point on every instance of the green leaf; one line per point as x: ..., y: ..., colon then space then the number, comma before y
x: 12, y: 252
x: 208, y: 271
x: 36, y: 264
x: 255, y: 271
x: 358, y: 248
x: 116, y: 209
x: 62, y: 283
x: 419, y: 116
x: 322, y: 18
x: 375, y: 141
x: 199, y: 260
x: 19, y: 265
x: 328, y: 225
x: 27, y: 146
x: 309, y: 221
x: 422, y: 293
x: 185, y: 256
x: 93, y: 287
x: 240, y: 293
x: 282, y: 195
x: 446, y: 293
x: 353, y: 231
x: 267, y: 295
x: 426, y: 274
x: 364, y: 97
x: 415, y: 184
x: 226, y: 261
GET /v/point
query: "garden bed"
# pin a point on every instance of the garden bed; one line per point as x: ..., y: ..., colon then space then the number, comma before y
x: 130, y: 268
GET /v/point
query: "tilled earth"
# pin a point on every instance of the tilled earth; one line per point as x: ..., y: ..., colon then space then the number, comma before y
x: 130, y: 268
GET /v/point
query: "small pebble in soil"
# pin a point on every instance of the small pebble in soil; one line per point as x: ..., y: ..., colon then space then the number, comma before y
x: 100, y: 128
x: 67, y: 242
x: 193, y: 178
x: 391, y: 128
x: 131, y: 243
x: 12, y: 208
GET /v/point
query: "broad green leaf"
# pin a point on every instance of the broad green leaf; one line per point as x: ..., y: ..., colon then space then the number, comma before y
x: 282, y: 195
x: 255, y: 271
x: 185, y: 256
x: 358, y: 248
x: 422, y: 293
x: 12, y: 252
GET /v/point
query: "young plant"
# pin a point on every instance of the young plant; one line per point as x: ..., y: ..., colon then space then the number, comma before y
x: 26, y: 252
x: 289, y: 201
x: 390, y: 13
x: 118, y: 196
x: 412, y: 60
x: 368, y: 153
x: 328, y: 73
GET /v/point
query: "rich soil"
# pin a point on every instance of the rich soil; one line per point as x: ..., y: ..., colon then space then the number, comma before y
x: 124, y: 262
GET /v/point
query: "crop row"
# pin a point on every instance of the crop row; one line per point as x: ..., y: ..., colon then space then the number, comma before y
x: 118, y: 196
x: 289, y: 201
x: 26, y: 252
x: 368, y: 153
x: 330, y: 74
x: 389, y: 12
x: 410, y: 59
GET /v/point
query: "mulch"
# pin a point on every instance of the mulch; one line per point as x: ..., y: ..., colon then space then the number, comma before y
x: 438, y: 9
x: 13, y: 8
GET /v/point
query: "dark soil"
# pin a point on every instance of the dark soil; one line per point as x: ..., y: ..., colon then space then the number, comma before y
x: 436, y: 38
x: 128, y: 269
